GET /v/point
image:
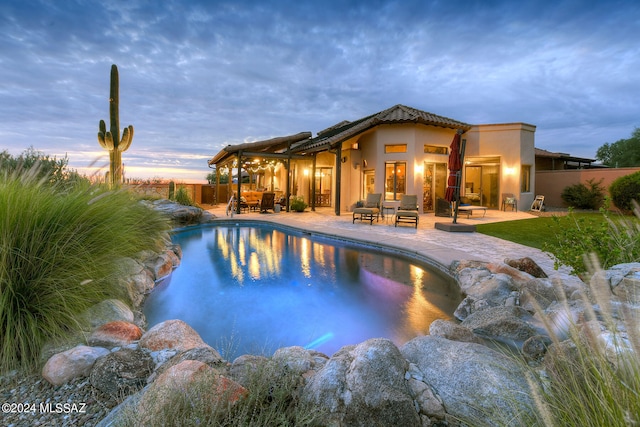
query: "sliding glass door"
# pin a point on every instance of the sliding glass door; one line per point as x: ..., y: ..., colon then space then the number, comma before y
x: 434, y: 184
x: 482, y: 181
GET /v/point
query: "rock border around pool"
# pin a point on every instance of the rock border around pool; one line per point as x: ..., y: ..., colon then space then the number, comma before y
x: 454, y: 373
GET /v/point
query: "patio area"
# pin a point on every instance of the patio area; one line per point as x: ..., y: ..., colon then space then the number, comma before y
x: 437, y: 247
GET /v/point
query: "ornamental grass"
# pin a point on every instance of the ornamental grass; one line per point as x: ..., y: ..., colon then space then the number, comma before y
x: 60, y: 251
x: 592, y: 378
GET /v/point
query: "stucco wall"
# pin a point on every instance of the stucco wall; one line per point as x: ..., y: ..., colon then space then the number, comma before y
x: 514, y: 144
x: 551, y: 183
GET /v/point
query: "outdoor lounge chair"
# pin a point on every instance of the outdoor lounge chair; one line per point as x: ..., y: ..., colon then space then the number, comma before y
x: 267, y: 202
x: 468, y: 210
x: 408, y: 210
x: 370, y: 210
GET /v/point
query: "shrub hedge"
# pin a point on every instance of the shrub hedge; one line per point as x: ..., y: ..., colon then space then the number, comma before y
x: 625, y: 189
x: 583, y: 196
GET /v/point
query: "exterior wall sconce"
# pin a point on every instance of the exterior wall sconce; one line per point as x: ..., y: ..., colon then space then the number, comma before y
x: 355, y: 146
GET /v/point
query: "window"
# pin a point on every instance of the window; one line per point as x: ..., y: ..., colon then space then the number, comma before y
x: 435, y: 149
x: 395, y: 148
x: 525, y: 178
x: 394, y: 180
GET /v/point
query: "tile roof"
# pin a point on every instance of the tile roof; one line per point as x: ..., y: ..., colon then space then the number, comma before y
x: 394, y: 115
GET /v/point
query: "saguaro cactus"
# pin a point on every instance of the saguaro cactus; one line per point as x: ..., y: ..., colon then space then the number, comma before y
x: 110, y: 139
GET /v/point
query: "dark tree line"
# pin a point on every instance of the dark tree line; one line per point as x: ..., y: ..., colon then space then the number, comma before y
x: 622, y: 153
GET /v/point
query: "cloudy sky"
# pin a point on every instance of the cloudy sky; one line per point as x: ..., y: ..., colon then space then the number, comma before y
x: 196, y: 75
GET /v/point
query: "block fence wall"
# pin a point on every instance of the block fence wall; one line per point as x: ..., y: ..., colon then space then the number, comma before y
x: 551, y: 183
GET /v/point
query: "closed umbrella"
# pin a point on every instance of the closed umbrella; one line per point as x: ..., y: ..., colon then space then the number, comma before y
x: 454, y: 167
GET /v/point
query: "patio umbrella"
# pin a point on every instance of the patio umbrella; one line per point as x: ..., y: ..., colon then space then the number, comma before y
x: 454, y: 167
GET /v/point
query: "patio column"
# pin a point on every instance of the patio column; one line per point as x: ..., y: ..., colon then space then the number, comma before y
x: 288, y: 166
x: 338, y: 177
x: 238, y: 210
x: 215, y: 201
x: 313, y: 184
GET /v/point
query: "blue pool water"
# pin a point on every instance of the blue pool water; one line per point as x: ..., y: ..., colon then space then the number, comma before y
x: 252, y: 290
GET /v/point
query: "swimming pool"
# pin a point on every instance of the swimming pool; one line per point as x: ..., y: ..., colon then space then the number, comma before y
x: 254, y: 289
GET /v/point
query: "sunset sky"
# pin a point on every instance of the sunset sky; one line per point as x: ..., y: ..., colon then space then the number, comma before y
x: 197, y: 75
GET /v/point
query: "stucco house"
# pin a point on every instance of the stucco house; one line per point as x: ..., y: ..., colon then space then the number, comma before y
x: 400, y: 150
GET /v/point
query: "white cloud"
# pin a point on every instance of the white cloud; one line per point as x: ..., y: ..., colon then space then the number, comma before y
x: 197, y: 75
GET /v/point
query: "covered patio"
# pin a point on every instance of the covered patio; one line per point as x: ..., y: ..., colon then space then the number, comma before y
x: 269, y: 165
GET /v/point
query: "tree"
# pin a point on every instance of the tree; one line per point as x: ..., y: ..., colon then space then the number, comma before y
x: 53, y: 169
x: 622, y: 153
x: 224, y: 178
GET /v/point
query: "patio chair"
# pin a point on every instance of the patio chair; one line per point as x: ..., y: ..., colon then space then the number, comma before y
x: 267, y: 202
x: 370, y: 210
x: 408, y: 210
x: 508, y: 199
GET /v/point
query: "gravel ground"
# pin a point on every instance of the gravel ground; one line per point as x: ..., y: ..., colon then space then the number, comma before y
x: 29, y: 400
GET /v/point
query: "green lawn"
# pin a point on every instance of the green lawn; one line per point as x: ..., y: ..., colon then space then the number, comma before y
x: 533, y: 232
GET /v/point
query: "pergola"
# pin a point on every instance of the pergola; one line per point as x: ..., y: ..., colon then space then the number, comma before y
x: 258, y: 155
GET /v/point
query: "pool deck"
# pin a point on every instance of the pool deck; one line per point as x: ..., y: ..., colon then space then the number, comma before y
x: 438, y: 246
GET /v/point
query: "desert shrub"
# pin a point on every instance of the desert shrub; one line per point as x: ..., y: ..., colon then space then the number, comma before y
x: 272, y: 400
x: 625, y: 189
x: 60, y: 249
x: 51, y: 170
x: 581, y: 196
x: 615, y: 240
x: 182, y: 197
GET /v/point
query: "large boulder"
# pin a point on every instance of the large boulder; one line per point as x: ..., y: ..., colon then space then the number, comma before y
x: 491, y: 291
x: 364, y: 385
x: 512, y: 325
x: 114, y: 334
x: 171, y: 334
x: 207, y: 355
x: 539, y: 294
x: 137, y: 279
x: 182, y: 376
x: 300, y: 360
x: 107, y: 311
x: 162, y: 264
x: 473, y: 381
x: 181, y: 214
x: 244, y: 367
x: 74, y: 363
x: 122, y: 372
x: 623, y: 281
x: 453, y: 331
x: 527, y: 265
